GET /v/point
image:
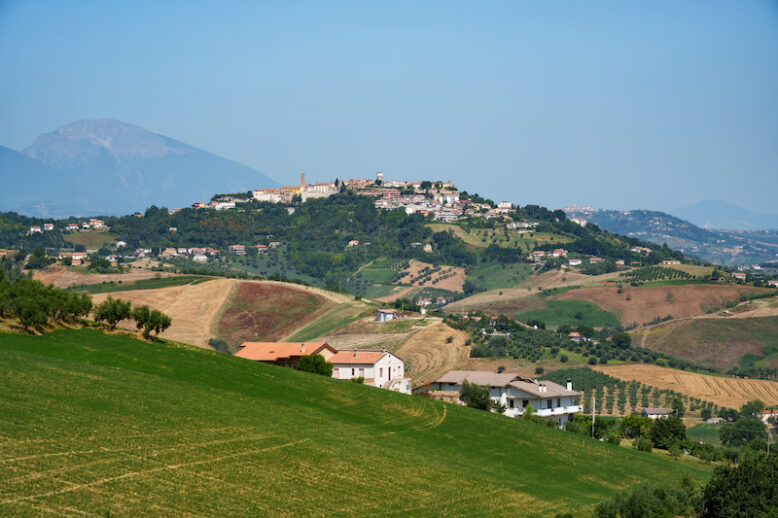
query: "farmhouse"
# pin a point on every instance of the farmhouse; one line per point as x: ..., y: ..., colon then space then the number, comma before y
x: 574, y: 262
x: 740, y: 276
x: 385, y: 315
x: 72, y: 227
x: 595, y: 260
x: 766, y: 415
x: 773, y: 284
x: 377, y: 368
x: 48, y: 227
x: 285, y: 354
x: 671, y: 262
x: 34, y: 229
x: 238, y: 249
x: 657, y: 412
x: 546, y: 398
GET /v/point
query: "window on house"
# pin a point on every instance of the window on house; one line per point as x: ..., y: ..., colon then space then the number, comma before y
x: 335, y: 372
x: 362, y: 372
x: 525, y: 403
x: 510, y: 403
x: 558, y: 402
x: 352, y: 371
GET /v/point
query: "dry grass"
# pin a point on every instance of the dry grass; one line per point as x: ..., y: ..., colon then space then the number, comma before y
x: 643, y: 304
x: 450, y: 278
x: 64, y: 277
x: 192, y: 307
x: 691, y: 269
x: 427, y: 355
x: 723, y: 391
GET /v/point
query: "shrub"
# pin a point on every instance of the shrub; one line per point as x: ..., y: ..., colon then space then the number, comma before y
x: 475, y: 396
x: 642, y: 444
x: 316, y: 364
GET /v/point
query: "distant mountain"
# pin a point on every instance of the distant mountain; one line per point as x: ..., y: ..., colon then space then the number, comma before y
x: 722, y: 215
x: 111, y: 167
x: 717, y: 246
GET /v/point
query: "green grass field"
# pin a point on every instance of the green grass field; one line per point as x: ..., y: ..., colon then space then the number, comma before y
x: 492, y: 276
x: 704, y: 432
x: 335, y: 318
x: 105, y: 425
x: 143, y: 284
x: 90, y: 239
x: 565, y: 312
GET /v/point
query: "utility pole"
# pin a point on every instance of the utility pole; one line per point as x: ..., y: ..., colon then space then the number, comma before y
x: 592, y: 413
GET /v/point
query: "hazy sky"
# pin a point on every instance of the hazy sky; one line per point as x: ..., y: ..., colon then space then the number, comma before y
x: 612, y: 104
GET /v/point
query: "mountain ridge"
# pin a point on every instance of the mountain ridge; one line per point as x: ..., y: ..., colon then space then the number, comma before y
x: 107, y: 167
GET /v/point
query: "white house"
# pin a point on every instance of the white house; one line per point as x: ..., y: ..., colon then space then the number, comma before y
x: 47, y: 227
x: 385, y: 315
x: 574, y: 262
x: 547, y: 399
x: 378, y: 368
x: 657, y: 412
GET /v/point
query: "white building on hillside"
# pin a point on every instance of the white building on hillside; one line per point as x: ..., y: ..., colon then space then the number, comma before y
x: 547, y: 399
x: 378, y: 368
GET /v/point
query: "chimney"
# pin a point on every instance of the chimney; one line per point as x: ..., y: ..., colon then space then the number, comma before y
x: 569, y: 384
x: 302, y: 347
x: 355, y: 353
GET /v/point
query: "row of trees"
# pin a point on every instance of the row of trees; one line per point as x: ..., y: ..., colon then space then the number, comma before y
x: 112, y: 311
x: 34, y: 304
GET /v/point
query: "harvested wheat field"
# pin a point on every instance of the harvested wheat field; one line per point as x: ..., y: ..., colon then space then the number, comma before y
x: 643, y: 304
x: 427, y: 355
x: 192, y: 307
x: 451, y: 278
x: 723, y: 391
x: 64, y: 277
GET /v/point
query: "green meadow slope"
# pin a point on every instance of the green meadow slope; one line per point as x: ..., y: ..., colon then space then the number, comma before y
x: 103, y: 425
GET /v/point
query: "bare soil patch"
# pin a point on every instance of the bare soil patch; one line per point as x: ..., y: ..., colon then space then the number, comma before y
x: 451, y: 278
x: 192, y: 307
x: 262, y: 311
x: 404, y: 293
x: 643, y: 304
x: 723, y: 391
x: 64, y: 277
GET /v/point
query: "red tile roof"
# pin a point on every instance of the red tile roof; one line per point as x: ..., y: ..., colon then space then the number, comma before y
x: 272, y: 351
x: 362, y: 357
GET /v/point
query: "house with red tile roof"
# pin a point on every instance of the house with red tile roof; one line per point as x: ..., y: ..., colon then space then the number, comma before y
x: 285, y: 354
x: 377, y: 368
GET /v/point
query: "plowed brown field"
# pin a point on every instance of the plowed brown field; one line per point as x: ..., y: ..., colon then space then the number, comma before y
x: 450, y: 278
x: 643, y: 304
x: 728, y: 392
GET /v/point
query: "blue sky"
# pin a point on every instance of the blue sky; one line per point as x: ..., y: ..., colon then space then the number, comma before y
x: 612, y: 104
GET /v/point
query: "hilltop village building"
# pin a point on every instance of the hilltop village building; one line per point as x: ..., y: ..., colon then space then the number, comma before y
x: 377, y: 368
x: 548, y: 399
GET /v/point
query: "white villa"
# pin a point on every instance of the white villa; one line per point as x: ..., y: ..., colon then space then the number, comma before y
x: 378, y: 368
x: 547, y: 399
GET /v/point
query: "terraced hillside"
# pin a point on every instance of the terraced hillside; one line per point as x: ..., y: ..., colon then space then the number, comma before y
x: 104, y: 425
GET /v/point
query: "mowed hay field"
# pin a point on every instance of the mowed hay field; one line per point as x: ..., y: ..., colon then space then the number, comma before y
x: 428, y: 355
x: 724, y: 391
x: 269, y: 311
x: 718, y: 342
x: 192, y: 307
x: 104, y: 425
x: 643, y: 304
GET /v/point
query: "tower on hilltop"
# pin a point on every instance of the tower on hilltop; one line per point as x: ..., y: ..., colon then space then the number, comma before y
x: 302, y: 179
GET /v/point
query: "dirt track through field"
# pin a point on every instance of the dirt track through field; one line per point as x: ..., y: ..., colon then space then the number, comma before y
x: 723, y: 391
x: 427, y: 355
x: 192, y: 307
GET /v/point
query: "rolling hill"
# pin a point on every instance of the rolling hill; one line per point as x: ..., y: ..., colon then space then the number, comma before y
x: 111, y: 167
x: 107, y: 425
